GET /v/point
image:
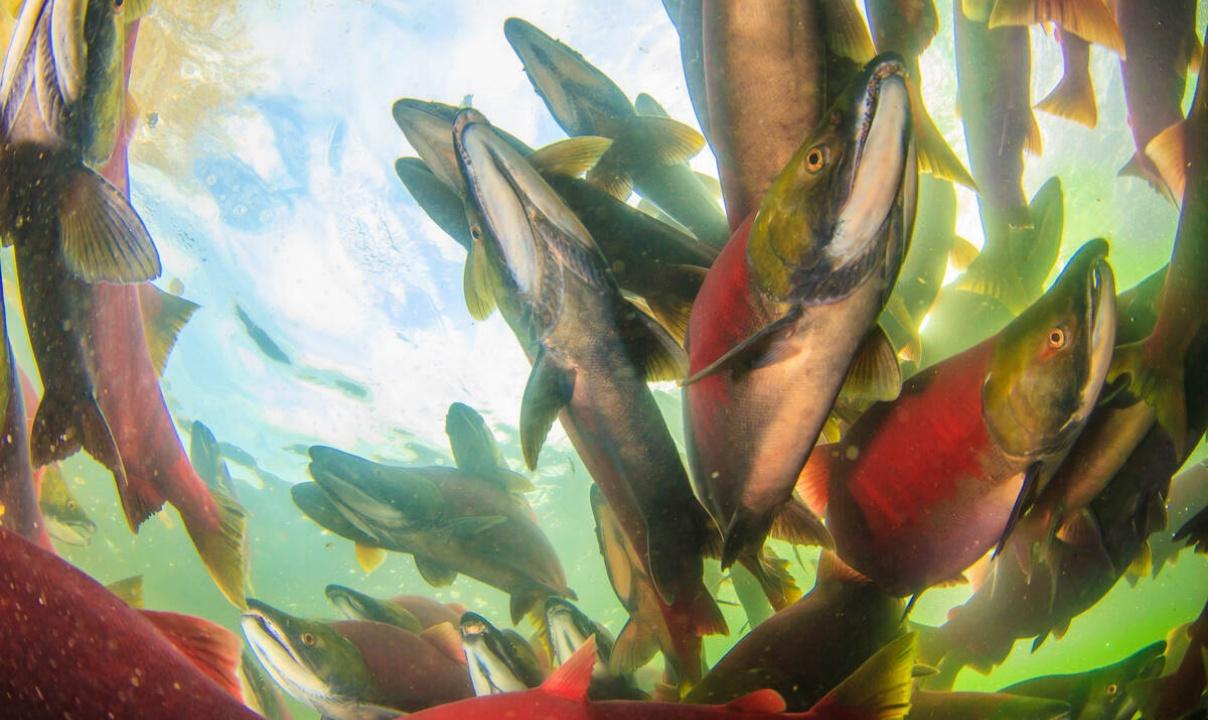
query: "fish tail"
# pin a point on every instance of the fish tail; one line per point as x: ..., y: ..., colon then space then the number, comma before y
x: 1073, y: 99
x: 746, y: 531
x: 774, y: 578
x: 1089, y: 19
x: 704, y: 613
x: 935, y: 156
x: 879, y: 689
x: 65, y: 424
x: 1167, y: 153
x: 221, y: 540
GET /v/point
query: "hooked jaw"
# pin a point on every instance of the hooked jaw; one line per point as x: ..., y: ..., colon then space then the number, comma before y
x: 267, y: 636
x: 881, y: 149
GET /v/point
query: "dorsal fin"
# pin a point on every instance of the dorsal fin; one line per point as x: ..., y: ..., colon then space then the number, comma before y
x: 764, y: 701
x: 211, y: 647
x: 572, y: 678
x: 444, y: 637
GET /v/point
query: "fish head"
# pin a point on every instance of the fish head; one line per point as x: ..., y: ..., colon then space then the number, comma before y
x: 307, y: 658
x: 498, y: 662
x: 1106, y: 696
x: 529, y: 233
x: 581, y: 98
x: 428, y: 126
x: 359, y: 606
x: 1049, y: 363
x: 569, y: 628
x: 379, y: 500
x: 845, y: 201
x: 472, y: 442
x: 65, y: 518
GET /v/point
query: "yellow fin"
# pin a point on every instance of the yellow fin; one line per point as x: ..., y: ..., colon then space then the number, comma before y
x: 224, y: 549
x: 667, y: 141
x: 572, y: 156
x: 477, y: 283
x: 774, y: 578
x: 880, y: 688
x: 1033, y: 144
x: 976, y: 10
x: 164, y: 315
x: 1090, y: 19
x: 129, y: 591
x: 607, y: 176
x: 1168, y: 152
x: 874, y: 373
x: 712, y: 184
x: 634, y: 648
x: 1141, y: 565
x: 103, y: 238
x: 963, y: 253
x: 935, y: 156
x: 135, y: 10
x: 671, y: 305
x: 369, y: 558
x: 651, y: 347
x: 1074, y: 96
x: 846, y: 34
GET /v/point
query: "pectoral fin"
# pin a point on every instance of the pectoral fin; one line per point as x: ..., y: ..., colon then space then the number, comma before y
x: 434, y: 573
x: 874, y: 374
x: 571, y: 157
x: 104, y: 239
x: 369, y: 557
x: 748, y: 352
x: 477, y: 283
x: 549, y: 389
x: 1023, y: 501
x: 634, y: 648
x: 651, y: 348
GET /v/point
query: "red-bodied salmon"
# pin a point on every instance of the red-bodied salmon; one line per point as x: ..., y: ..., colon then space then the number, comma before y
x: 878, y: 690
x: 1161, y: 43
x: 62, y: 95
x: 971, y: 439
x: 70, y: 648
x: 157, y: 469
x: 787, y: 304
x: 357, y: 670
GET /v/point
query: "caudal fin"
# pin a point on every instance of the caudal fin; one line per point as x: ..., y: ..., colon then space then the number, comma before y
x: 64, y: 424
x: 221, y: 541
x: 879, y: 689
x: 1090, y: 19
x: 1073, y: 98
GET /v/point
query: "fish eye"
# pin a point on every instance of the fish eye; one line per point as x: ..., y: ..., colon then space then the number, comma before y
x: 476, y: 232
x: 815, y: 159
x: 308, y: 639
x: 1112, y: 689
x: 1057, y: 338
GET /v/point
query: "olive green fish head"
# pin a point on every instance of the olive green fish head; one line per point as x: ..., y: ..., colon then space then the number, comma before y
x: 472, y: 442
x: 1050, y: 362
x: 582, y: 99
x: 845, y: 201
x: 65, y: 518
x: 359, y: 606
x: 307, y: 658
x: 1098, y: 694
x: 569, y: 629
x: 377, y: 499
x: 499, y: 660
x: 531, y: 237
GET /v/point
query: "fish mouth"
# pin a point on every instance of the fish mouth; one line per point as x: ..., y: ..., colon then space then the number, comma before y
x: 520, y: 211
x: 491, y: 670
x: 262, y: 625
x: 1098, y: 296
x: 567, y: 631
x: 340, y: 476
x: 877, y: 164
x: 76, y: 533
x: 346, y: 600
x: 428, y: 127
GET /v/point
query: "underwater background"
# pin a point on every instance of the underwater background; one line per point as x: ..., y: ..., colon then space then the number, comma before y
x: 332, y: 311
